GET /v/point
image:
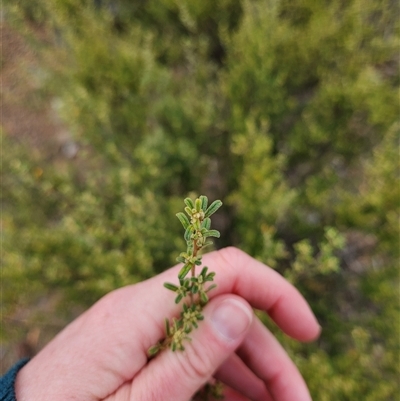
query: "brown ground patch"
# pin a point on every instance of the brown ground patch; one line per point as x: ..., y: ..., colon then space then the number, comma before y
x: 27, y: 114
x: 27, y: 117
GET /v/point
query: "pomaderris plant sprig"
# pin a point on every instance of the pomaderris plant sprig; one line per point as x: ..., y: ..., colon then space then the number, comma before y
x: 193, y: 288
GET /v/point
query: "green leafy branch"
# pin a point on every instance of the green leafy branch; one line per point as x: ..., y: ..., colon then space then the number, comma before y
x: 192, y: 289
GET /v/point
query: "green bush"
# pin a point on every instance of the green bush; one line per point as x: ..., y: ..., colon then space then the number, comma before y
x: 287, y: 111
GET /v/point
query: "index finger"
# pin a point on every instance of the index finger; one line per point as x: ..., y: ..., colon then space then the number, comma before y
x: 265, y: 289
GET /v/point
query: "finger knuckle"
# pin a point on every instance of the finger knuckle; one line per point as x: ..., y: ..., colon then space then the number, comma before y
x: 231, y: 254
x: 196, y: 363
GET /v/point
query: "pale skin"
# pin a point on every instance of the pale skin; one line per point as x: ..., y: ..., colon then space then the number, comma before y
x: 102, y: 355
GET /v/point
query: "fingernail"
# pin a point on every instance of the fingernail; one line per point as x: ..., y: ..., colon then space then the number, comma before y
x: 231, y: 319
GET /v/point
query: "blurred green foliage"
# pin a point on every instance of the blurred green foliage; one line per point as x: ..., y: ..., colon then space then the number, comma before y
x: 285, y: 110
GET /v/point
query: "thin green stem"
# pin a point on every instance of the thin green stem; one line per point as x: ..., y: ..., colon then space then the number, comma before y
x: 193, y: 269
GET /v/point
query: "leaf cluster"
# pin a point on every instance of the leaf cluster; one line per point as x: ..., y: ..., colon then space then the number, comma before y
x: 194, y: 285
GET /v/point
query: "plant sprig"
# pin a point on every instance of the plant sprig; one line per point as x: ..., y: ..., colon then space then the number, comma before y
x: 193, y: 288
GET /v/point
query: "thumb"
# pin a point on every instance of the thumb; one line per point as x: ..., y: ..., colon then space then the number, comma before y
x: 178, y: 375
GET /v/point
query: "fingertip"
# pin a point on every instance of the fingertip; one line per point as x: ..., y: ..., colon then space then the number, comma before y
x: 294, y: 315
x: 316, y: 334
x: 309, y: 331
x: 230, y: 317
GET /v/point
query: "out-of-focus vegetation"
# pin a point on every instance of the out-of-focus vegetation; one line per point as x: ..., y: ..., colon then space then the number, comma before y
x: 288, y: 111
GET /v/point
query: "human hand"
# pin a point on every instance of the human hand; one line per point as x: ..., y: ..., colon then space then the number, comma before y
x: 102, y: 355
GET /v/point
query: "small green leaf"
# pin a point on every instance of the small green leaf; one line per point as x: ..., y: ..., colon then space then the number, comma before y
x: 206, y: 223
x: 210, y: 277
x: 184, y: 271
x: 212, y: 233
x: 171, y: 287
x: 189, y: 203
x: 178, y: 298
x: 154, y: 350
x: 204, y: 202
x: 213, y: 208
x: 180, y: 259
x: 203, y: 297
x: 197, y: 205
x: 204, y: 271
x: 167, y: 327
x: 183, y: 219
x: 188, y: 233
x: 211, y: 287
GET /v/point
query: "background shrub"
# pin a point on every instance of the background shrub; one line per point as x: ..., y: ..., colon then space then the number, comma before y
x: 287, y: 111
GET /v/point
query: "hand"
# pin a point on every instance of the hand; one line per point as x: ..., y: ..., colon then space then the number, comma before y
x: 102, y: 355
